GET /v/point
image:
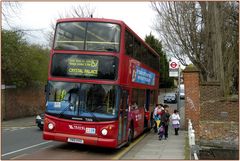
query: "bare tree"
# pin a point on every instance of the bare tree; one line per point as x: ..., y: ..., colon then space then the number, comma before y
x: 203, y: 32
x: 9, y: 12
x: 84, y: 10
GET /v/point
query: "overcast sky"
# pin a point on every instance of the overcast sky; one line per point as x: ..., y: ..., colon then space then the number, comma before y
x: 38, y: 15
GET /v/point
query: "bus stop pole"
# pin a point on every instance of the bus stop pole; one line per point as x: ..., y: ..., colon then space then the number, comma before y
x: 178, y: 91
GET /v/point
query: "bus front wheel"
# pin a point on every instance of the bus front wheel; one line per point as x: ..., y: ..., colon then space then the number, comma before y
x: 130, y: 135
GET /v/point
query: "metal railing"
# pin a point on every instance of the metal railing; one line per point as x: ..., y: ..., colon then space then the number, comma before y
x: 192, y: 145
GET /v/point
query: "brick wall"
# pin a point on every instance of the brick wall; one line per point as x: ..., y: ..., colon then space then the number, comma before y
x: 192, y: 98
x: 219, y: 117
x: 219, y: 134
x: 215, y: 119
x: 18, y: 103
x: 216, y: 108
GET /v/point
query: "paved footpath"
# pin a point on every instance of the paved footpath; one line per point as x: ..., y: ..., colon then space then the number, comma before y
x: 20, y: 122
x: 152, y: 148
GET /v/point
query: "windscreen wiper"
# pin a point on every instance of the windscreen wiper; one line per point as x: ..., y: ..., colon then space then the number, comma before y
x: 65, y: 109
x: 93, y: 115
x: 110, y: 49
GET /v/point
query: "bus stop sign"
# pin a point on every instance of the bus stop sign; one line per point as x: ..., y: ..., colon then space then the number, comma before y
x: 173, y: 65
x: 173, y: 69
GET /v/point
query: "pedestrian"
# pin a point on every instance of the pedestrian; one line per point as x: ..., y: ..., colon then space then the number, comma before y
x: 164, y: 122
x: 156, y: 116
x: 175, y: 118
x: 161, y: 131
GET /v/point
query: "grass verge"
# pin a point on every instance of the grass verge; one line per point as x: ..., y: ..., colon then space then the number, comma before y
x: 186, y: 149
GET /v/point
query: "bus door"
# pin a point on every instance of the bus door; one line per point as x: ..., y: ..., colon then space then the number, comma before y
x: 123, y: 117
x: 147, y: 104
x: 148, y: 94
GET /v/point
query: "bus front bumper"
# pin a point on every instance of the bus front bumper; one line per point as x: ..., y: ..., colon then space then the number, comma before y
x: 87, y: 140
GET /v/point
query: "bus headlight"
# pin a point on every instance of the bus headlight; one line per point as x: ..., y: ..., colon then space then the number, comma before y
x: 104, y: 132
x: 50, y: 126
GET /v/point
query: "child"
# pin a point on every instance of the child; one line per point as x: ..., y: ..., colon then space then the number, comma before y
x: 161, y: 131
x: 175, y: 121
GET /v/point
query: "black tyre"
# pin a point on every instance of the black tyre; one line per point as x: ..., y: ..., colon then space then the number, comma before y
x: 130, y: 134
x: 40, y: 126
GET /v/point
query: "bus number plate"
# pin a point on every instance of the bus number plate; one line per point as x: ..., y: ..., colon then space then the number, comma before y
x: 75, y: 140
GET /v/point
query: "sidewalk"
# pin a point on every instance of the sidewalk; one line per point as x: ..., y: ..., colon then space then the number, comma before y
x: 152, y: 148
x: 20, y: 122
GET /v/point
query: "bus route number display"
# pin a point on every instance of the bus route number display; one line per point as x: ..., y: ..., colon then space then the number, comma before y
x: 82, y: 67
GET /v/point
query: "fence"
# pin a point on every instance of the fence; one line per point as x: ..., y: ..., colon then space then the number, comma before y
x: 192, y: 145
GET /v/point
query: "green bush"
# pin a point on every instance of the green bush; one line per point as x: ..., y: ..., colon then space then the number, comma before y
x: 23, y: 64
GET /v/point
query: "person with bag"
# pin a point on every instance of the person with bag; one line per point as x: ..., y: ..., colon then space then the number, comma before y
x: 164, y: 121
x: 175, y: 118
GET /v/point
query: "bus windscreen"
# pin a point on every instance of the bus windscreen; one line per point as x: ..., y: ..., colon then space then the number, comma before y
x: 82, y: 100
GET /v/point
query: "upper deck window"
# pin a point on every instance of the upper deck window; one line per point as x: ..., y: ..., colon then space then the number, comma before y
x: 91, y: 36
x: 137, y: 50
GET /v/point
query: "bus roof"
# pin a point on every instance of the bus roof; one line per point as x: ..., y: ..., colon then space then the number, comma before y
x: 90, y: 19
x: 110, y: 21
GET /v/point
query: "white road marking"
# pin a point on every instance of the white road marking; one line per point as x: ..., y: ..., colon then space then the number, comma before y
x: 19, y: 156
x: 5, y: 129
x: 26, y: 148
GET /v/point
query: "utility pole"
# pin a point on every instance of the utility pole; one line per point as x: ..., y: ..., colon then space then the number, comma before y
x: 178, y: 91
x: 174, y: 71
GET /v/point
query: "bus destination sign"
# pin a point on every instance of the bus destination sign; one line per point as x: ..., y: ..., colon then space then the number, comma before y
x: 82, y: 67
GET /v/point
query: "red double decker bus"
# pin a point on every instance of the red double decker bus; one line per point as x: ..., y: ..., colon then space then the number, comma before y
x: 102, y: 83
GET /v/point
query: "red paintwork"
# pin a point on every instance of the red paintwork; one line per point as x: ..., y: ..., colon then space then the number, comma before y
x: 61, y: 132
